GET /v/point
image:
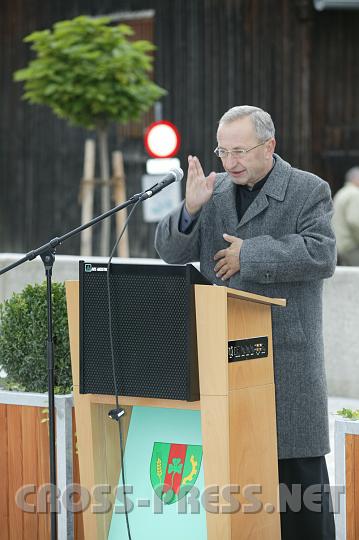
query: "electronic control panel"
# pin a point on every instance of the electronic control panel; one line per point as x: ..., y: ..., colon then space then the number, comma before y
x: 247, y: 349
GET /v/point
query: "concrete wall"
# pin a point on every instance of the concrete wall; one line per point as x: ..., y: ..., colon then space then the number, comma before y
x: 341, y: 332
x: 341, y: 312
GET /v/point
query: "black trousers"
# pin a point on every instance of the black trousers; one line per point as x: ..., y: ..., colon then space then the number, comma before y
x: 305, y: 501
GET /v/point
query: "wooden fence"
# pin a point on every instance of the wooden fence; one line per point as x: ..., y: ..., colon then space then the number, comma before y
x: 352, y: 486
x: 24, y: 451
x: 346, y: 489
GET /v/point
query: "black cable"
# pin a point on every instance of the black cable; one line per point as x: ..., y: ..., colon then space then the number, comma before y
x: 118, y: 412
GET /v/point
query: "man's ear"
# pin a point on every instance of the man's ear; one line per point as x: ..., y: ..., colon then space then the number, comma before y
x: 271, y: 147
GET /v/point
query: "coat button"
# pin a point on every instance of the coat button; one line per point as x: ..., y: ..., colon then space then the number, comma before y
x: 267, y: 275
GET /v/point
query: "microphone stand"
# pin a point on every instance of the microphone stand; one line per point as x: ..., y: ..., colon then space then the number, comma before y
x: 47, y: 254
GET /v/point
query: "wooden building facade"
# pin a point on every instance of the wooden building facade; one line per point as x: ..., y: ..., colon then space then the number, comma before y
x: 282, y: 55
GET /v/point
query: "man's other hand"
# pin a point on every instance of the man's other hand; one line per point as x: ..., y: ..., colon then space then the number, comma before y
x: 228, y: 259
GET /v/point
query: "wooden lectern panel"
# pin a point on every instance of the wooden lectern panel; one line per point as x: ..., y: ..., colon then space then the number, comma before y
x: 253, y: 460
x: 238, y: 412
x: 215, y: 441
x: 248, y: 319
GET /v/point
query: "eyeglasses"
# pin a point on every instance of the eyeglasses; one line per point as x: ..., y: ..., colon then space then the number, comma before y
x: 236, y: 153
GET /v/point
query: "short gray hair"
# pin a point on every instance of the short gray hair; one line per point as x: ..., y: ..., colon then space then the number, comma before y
x: 262, y: 121
x: 352, y: 174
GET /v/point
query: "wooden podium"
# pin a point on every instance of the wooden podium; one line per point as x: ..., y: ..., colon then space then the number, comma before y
x: 237, y: 405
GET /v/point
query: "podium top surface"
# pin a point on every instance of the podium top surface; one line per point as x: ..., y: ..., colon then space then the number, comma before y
x: 256, y: 297
x: 252, y: 297
x: 243, y: 295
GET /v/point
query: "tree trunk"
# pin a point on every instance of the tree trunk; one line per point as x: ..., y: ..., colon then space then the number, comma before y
x: 105, y: 190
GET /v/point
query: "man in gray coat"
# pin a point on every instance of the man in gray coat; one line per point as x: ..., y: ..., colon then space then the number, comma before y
x: 265, y: 227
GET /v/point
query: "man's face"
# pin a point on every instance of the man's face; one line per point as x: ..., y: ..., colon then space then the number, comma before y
x: 253, y: 166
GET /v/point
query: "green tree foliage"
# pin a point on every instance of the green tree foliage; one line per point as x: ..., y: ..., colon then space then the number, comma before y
x: 90, y: 73
x: 23, y: 333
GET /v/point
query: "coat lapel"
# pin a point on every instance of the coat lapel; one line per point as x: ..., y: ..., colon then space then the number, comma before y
x: 225, y: 202
x: 259, y: 204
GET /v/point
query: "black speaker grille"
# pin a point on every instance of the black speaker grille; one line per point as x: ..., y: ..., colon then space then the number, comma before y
x: 150, y: 320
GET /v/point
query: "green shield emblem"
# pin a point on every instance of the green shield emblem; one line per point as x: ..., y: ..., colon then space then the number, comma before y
x: 174, y: 469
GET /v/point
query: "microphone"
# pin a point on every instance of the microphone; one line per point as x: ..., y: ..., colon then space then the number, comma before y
x: 175, y: 175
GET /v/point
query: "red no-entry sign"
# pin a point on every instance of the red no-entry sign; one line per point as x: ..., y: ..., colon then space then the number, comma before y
x: 162, y: 139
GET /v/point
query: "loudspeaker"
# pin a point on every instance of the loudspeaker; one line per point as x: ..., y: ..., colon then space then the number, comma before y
x: 153, y: 328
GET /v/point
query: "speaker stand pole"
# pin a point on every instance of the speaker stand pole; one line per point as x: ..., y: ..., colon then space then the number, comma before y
x: 48, y: 258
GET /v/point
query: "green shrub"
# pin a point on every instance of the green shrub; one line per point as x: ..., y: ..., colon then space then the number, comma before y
x: 23, y: 334
x: 349, y: 413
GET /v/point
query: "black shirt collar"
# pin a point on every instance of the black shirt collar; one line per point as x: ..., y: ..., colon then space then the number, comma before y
x: 258, y: 185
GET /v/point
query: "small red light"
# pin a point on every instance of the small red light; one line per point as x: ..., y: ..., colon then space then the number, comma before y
x: 162, y: 139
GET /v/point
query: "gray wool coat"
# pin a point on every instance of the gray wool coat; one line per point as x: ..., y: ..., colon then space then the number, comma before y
x: 288, y: 249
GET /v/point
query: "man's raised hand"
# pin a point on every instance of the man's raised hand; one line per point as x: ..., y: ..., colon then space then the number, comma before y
x: 199, y: 188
